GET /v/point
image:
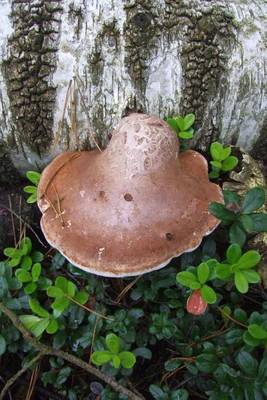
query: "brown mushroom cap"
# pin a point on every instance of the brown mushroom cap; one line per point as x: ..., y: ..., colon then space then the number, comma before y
x: 132, y: 208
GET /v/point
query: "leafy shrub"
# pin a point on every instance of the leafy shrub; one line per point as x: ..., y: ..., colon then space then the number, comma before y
x: 222, y: 161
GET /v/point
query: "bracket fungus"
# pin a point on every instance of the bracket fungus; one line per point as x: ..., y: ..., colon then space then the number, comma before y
x: 133, y: 207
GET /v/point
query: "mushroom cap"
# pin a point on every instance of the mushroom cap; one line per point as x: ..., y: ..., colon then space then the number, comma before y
x: 133, y: 207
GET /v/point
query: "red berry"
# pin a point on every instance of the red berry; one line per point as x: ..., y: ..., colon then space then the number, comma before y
x: 195, y: 304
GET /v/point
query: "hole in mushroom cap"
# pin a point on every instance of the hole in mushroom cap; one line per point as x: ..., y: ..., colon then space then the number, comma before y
x: 128, y: 197
x: 169, y: 236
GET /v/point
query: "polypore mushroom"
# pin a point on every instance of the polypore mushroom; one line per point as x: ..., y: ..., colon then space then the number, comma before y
x: 133, y: 207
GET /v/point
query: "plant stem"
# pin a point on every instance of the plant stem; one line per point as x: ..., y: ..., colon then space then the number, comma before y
x: 19, y: 373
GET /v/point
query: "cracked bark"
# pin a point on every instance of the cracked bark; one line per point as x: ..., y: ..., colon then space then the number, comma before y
x: 163, y: 57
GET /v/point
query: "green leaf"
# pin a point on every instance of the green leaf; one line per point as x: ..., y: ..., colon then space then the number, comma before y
x: 237, y: 234
x: 52, y: 327
x: 53, y: 291
x: 250, y: 340
x: 216, y: 151
x: 26, y: 263
x: 113, y: 343
x: 26, y: 246
x: 229, y: 164
x: 253, y: 200
x: 82, y: 297
x: 34, y: 324
x: 2, y: 345
x: 127, y: 358
x: 216, y: 164
x: 143, y: 352
x: 226, y: 152
x: 116, y: 361
x: 157, y: 392
x: 214, y: 174
x: 249, y: 259
x: 14, y: 262
x: 188, y: 279
x: 188, y: 121
x: 33, y: 177
x: 247, y: 363
x: 66, y: 286
x: 208, y: 294
x: 60, y: 304
x: 257, y: 331
x: 241, y: 282
x: 23, y: 276
x: 206, y: 362
x: 101, y: 357
x: 252, y: 276
x: 30, y: 288
x: 9, y: 251
x: 259, y: 222
x: 180, y: 122
x: 203, y: 272
x: 223, y: 271
x: 172, y: 365
x: 233, y: 253
x: 173, y: 124
x: 231, y: 197
x: 247, y: 223
x: 32, y: 198
x: 37, y: 257
x: 36, y: 271
x: 185, y: 135
x: 37, y: 308
x: 220, y: 212
x: 30, y: 189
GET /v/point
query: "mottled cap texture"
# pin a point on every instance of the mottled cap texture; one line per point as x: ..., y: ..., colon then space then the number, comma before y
x: 133, y: 207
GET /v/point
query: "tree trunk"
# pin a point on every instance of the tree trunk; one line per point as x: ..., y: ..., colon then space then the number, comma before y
x: 71, y: 69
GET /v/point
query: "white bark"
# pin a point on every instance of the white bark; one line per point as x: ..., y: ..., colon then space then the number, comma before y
x: 128, y: 54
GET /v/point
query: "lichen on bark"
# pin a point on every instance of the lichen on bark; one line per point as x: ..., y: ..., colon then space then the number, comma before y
x: 29, y: 68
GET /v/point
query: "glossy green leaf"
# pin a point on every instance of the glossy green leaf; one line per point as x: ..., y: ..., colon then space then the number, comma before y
x: 127, y: 358
x: 30, y: 189
x: 253, y: 200
x: 216, y: 151
x: 113, y: 343
x: 220, y: 212
x: 66, y: 286
x: 60, y: 304
x: 26, y: 263
x: 226, y: 152
x: 223, y: 271
x: 52, y: 327
x: 173, y: 124
x: 249, y: 259
x: 247, y: 223
x: 216, y: 164
x: 32, y: 198
x: 30, y: 288
x: 229, y: 164
x: 208, y: 294
x: 185, y: 135
x: 2, y: 345
x: 116, y: 361
x: 252, y: 276
x: 23, y: 276
x: 33, y: 176
x: 188, y: 279
x: 241, y: 282
x: 36, y: 271
x: 203, y: 272
x: 247, y: 363
x: 101, y: 357
x: 237, y: 234
x: 173, y: 364
x: 26, y: 246
x: 257, y: 331
x: 206, y: 362
x: 231, y: 197
x: 37, y: 308
x: 259, y: 222
x: 82, y: 297
x: 233, y: 253
x: 189, y: 120
x: 37, y: 256
x: 53, y: 291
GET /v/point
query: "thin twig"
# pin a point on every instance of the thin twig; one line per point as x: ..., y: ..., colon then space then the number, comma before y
x: 25, y: 223
x: 232, y: 319
x: 89, y: 309
x: 12, y: 220
x: 20, y: 372
x: 126, y: 289
x: 49, y: 351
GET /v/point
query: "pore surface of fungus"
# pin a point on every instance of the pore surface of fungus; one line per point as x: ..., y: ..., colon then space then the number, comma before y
x: 131, y: 208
